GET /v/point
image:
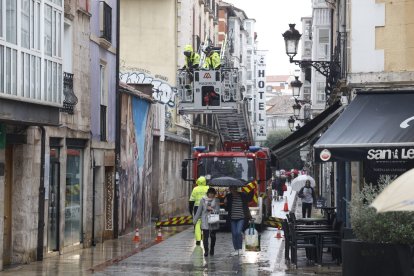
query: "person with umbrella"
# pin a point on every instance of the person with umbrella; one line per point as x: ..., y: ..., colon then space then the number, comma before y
x: 307, y: 194
x: 236, y: 204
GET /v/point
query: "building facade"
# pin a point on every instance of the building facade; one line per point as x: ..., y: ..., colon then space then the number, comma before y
x: 102, y: 112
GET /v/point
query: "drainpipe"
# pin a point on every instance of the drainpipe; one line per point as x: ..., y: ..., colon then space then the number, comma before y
x: 117, y: 125
x: 93, y: 201
x: 41, y: 220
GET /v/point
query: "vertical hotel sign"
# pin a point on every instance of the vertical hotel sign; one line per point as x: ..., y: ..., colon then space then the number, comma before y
x: 260, y: 126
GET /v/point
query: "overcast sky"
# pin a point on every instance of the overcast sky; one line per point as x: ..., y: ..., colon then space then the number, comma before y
x: 272, y: 19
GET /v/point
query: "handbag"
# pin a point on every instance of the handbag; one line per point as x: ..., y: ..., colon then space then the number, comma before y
x: 252, y: 242
x: 213, y: 218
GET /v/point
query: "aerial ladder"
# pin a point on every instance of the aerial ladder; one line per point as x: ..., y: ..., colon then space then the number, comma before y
x: 218, y: 92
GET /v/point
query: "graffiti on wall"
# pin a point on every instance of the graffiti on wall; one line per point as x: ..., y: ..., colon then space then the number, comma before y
x: 162, y: 92
x: 136, y: 163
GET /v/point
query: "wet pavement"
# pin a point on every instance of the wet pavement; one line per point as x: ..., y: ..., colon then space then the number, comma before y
x: 178, y: 255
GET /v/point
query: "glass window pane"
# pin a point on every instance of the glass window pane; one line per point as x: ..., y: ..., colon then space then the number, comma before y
x: 26, y: 75
x: 11, y: 21
x: 1, y: 18
x: 38, y: 79
x: 37, y: 26
x: 25, y: 24
x: 49, y: 81
x: 21, y: 88
x: 54, y: 33
x: 32, y: 77
x: 54, y: 83
x: 48, y: 30
x: 8, y: 70
x: 60, y: 82
x: 14, y: 72
x: 59, y: 34
x: 1, y: 69
x: 44, y: 96
x: 73, y: 197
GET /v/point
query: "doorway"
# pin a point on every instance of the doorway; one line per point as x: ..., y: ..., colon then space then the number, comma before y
x: 54, y: 201
x: 73, y: 197
x: 7, y: 234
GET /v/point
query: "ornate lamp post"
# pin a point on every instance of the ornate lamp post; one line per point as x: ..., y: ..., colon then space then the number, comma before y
x: 329, y: 69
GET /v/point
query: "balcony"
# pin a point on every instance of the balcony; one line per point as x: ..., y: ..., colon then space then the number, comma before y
x: 70, y: 98
x: 105, y: 24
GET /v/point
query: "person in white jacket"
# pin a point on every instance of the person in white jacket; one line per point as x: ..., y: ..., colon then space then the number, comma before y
x: 208, y: 204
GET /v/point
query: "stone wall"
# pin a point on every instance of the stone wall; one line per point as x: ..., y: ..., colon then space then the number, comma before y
x: 173, y: 192
x: 25, y: 197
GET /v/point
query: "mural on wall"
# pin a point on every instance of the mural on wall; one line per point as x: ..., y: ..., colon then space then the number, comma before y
x: 136, y: 163
x: 162, y: 91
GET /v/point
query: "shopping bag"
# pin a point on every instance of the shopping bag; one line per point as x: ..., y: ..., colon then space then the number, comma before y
x: 213, y: 218
x: 252, y: 239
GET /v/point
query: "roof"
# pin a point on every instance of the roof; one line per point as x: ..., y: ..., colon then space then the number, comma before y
x: 131, y: 90
x: 280, y: 105
x: 277, y: 78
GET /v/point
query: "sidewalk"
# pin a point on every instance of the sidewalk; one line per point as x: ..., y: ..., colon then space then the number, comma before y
x: 88, y: 260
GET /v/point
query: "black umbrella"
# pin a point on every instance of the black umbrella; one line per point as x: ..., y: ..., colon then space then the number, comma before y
x: 226, y: 181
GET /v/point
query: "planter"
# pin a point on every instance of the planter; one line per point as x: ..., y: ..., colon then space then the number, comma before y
x: 364, y: 259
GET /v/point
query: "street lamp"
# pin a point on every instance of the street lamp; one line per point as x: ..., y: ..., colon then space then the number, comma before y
x: 296, y: 86
x: 292, y: 37
x: 291, y: 123
x: 329, y: 69
x: 296, y: 109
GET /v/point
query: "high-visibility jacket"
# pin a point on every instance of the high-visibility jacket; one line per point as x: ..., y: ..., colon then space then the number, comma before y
x: 199, y: 191
x: 192, y: 61
x: 212, y: 61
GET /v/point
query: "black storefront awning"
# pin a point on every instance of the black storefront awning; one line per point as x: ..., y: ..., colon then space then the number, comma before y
x: 375, y: 127
x: 306, y: 133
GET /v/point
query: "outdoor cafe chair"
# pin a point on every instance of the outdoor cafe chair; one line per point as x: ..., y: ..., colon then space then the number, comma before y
x: 306, y: 241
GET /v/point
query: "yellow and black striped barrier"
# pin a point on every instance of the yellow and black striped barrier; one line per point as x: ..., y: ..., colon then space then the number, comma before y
x: 175, y: 221
x: 273, y: 222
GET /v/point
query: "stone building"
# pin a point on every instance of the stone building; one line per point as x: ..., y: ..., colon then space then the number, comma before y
x: 45, y: 118
x: 153, y: 35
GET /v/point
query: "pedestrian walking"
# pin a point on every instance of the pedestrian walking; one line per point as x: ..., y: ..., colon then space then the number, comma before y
x: 236, y: 204
x: 197, y: 194
x: 307, y: 194
x: 208, y: 207
x: 281, y: 186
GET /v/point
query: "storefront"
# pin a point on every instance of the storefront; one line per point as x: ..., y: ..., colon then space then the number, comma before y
x: 376, y: 129
x: 372, y: 140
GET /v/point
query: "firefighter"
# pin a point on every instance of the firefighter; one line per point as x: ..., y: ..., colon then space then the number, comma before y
x: 192, y: 59
x: 197, y: 194
x: 212, y: 61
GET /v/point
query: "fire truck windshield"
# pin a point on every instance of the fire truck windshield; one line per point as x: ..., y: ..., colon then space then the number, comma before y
x: 240, y: 168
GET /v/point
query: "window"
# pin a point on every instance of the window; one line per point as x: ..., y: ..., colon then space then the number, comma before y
x: 320, y: 92
x: 323, y: 43
x: 11, y: 21
x: 25, y: 24
x: 105, y: 21
x: 1, y: 18
x: 23, y: 66
x: 103, y: 106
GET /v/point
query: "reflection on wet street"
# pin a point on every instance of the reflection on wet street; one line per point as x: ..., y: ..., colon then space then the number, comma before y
x: 180, y: 255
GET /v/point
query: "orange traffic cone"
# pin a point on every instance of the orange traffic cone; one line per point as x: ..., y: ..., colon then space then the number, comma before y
x: 278, y: 234
x: 159, y: 236
x: 286, y: 206
x: 136, y: 238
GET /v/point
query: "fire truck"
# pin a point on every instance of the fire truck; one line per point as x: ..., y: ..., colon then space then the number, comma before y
x: 217, y: 92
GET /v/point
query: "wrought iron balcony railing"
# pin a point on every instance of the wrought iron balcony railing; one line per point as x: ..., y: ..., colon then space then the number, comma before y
x: 70, y: 98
